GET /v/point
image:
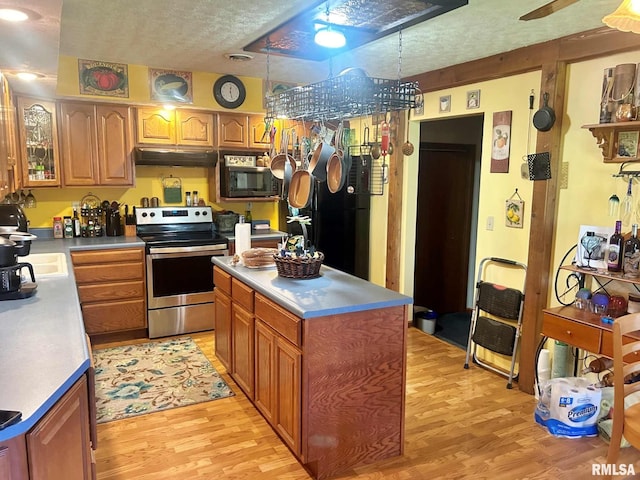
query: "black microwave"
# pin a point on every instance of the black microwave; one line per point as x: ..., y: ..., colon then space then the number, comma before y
x: 241, y: 179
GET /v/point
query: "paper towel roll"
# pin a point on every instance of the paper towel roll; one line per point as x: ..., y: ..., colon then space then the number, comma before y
x: 243, y: 238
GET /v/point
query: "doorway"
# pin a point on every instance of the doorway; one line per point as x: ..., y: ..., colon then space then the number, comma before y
x: 448, y: 184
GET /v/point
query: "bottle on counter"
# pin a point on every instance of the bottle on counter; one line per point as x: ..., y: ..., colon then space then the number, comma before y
x: 77, y: 229
x: 631, y: 257
x: 187, y: 199
x: 194, y: 198
x: 247, y: 214
x: 67, y: 224
x: 58, y: 229
x: 616, y: 249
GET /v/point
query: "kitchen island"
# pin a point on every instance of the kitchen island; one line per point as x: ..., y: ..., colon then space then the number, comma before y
x: 322, y: 359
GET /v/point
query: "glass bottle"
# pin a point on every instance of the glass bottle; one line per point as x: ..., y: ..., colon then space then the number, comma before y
x: 631, y: 258
x: 68, y: 226
x: 194, y: 198
x: 247, y: 213
x: 30, y: 201
x: 614, y: 258
x: 187, y: 199
x: 58, y: 231
x: 77, y: 230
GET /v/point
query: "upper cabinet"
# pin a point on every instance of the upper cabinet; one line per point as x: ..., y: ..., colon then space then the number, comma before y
x: 156, y: 126
x: 238, y: 131
x: 39, y: 142
x: 8, y: 154
x: 96, y: 144
x: 619, y: 142
x: 259, y: 137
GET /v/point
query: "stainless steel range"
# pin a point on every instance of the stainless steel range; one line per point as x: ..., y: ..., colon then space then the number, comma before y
x: 180, y: 242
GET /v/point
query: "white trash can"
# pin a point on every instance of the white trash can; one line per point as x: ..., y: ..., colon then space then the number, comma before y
x: 426, y: 321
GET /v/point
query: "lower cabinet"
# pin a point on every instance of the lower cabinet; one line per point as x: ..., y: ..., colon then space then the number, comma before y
x: 58, y: 446
x: 222, y: 331
x: 111, y: 287
x: 242, y: 327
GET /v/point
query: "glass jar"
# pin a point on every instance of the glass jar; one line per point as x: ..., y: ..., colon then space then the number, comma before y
x: 58, y: 229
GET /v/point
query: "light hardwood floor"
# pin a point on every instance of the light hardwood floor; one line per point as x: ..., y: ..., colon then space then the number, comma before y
x: 459, y: 424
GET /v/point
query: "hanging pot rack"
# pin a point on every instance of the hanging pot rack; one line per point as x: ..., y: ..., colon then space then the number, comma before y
x: 627, y: 173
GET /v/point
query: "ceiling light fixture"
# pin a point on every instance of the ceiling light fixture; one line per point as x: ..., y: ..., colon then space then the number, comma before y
x: 14, y: 14
x: 626, y: 17
x: 238, y: 57
x: 26, y: 76
x: 330, y: 37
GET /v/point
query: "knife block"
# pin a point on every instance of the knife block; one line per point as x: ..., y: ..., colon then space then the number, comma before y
x: 129, y: 230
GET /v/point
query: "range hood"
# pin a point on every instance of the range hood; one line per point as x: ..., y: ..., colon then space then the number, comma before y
x: 180, y: 157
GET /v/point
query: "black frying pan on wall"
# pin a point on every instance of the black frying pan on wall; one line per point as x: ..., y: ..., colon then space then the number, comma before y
x: 545, y: 117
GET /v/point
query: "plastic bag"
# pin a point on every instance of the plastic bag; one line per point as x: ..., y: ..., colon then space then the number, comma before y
x: 569, y: 407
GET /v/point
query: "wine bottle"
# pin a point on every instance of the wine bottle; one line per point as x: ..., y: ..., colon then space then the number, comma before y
x: 77, y: 231
x: 631, y: 262
x: 616, y: 248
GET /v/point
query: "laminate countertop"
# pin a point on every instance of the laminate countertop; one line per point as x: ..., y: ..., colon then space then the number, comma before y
x: 334, y: 292
x: 43, y: 348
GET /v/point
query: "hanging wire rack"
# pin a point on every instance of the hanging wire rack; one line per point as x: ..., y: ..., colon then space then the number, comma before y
x: 344, y: 96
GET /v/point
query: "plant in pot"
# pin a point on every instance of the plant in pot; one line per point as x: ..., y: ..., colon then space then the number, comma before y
x: 297, y: 259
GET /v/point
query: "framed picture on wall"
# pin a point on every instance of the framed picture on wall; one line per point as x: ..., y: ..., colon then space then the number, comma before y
x: 445, y: 104
x: 103, y: 78
x: 473, y: 99
x: 170, y: 86
x: 626, y: 144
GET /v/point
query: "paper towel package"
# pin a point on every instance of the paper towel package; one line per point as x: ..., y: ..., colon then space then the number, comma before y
x: 569, y: 407
x: 242, y: 237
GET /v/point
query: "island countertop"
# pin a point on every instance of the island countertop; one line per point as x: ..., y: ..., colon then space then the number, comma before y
x: 334, y: 292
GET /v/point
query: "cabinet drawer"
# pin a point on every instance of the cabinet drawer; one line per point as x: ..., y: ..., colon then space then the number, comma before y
x: 114, y: 316
x: 242, y: 294
x: 607, y: 346
x: 573, y: 333
x: 111, y: 291
x: 108, y: 273
x: 120, y: 255
x: 222, y: 280
x: 283, y: 322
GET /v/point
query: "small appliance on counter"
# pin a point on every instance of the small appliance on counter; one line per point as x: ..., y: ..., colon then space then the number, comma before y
x: 15, y: 241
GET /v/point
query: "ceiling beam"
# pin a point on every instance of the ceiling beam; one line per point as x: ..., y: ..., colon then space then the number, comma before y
x: 573, y: 48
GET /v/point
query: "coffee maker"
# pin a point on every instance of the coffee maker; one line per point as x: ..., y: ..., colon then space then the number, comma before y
x: 15, y: 241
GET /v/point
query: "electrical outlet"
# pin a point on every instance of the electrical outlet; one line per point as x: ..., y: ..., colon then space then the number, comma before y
x: 489, y: 223
x: 564, y: 175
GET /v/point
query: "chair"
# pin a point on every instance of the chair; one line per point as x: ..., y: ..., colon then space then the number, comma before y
x: 626, y: 360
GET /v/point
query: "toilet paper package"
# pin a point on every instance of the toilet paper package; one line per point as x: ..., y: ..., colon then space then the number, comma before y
x: 569, y: 407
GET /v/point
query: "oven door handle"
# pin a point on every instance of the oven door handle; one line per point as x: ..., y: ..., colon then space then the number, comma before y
x: 174, y: 253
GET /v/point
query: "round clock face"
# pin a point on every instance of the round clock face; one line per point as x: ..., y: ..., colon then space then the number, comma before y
x: 229, y: 91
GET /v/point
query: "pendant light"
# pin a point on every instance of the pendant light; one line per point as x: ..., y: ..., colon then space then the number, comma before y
x: 626, y: 17
x: 328, y: 36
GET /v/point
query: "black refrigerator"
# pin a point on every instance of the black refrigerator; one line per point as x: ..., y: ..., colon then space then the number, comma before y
x: 339, y: 226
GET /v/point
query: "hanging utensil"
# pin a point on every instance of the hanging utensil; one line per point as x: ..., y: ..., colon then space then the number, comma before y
x: 627, y: 204
x: 614, y: 205
x: 375, y: 148
x: 407, y: 148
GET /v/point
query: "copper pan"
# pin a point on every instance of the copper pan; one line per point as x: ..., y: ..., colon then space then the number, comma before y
x: 301, y: 189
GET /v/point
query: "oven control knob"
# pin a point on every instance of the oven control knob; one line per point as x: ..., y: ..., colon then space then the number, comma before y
x: 144, y: 214
x: 152, y: 214
x: 204, y: 213
x: 197, y: 213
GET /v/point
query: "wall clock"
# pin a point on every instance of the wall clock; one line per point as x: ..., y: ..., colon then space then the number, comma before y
x: 229, y: 91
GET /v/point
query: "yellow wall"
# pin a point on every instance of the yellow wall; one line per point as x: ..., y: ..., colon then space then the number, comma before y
x: 140, y: 93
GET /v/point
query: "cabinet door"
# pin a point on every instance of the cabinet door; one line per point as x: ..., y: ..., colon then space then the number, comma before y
x: 4, y: 136
x: 243, y: 348
x: 59, y: 444
x: 222, y: 330
x: 13, y: 459
x: 264, y: 391
x: 233, y: 130
x: 78, y: 145
x: 155, y: 126
x: 115, y: 134
x: 259, y: 137
x: 194, y: 128
x: 287, y: 385
x: 106, y: 317
x: 39, y: 148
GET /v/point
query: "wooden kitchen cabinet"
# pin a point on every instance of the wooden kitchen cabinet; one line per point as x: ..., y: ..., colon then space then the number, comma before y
x: 156, y: 126
x: 13, y: 459
x: 96, y: 144
x: 112, y: 291
x: 39, y: 149
x: 259, y: 136
x: 9, y: 167
x: 233, y: 131
x: 607, y: 138
x: 59, y: 446
x: 242, y: 334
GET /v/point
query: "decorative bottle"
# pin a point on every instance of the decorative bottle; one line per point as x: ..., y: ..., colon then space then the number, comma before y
x: 631, y: 258
x: 77, y: 230
x: 614, y: 258
x: 187, y: 199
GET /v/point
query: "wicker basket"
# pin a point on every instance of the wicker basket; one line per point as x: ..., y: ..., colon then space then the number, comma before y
x: 294, y: 267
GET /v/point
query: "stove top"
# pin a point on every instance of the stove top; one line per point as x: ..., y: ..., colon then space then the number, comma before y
x: 177, y: 227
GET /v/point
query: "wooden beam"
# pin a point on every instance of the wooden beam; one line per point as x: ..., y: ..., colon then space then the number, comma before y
x: 581, y: 46
x: 394, y: 212
x: 543, y: 219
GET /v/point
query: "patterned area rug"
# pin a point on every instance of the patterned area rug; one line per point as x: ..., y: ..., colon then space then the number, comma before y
x: 136, y: 379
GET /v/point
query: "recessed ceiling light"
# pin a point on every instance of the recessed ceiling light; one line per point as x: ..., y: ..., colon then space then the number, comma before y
x: 238, y: 57
x: 28, y: 76
x: 17, y: 14
x: 330, y: 38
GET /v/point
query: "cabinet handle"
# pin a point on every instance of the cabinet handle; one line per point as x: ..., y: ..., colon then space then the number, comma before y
x: 568, y: 332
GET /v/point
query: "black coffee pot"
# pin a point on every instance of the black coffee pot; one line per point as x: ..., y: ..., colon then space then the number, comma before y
x: 10, y: 250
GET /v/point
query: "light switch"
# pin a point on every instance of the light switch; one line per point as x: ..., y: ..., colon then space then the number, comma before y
x: 489, y: 223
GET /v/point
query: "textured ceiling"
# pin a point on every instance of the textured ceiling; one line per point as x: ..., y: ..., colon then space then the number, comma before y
x: 194, y: 35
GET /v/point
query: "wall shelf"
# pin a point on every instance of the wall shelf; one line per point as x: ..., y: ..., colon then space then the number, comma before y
x: 614, y: 140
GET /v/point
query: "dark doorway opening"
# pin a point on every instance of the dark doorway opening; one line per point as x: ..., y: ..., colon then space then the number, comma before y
x: 447, y: 220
